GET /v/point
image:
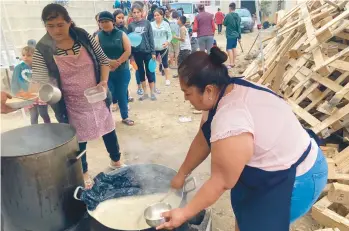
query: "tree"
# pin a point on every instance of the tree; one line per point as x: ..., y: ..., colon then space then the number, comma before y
x: 265, y: 7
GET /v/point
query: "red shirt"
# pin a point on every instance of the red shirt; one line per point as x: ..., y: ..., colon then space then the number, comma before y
x: 219, y: 17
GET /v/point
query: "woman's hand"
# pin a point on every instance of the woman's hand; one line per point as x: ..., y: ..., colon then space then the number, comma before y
x: 4, y: 108
x: 153, y: 57
x: 174, y: 219
x: 178, y: 181
x: 114, y: 64
x: 104, y: 84
x: 165, y: 44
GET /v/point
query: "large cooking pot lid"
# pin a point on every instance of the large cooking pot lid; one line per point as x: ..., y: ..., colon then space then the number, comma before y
x: 35, y: 139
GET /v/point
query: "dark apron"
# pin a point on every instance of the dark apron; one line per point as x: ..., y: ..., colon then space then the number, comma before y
x: 261, y: 200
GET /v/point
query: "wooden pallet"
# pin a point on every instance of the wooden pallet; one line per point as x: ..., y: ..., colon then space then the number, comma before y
x: 307, y: 61
x: 323, y: 214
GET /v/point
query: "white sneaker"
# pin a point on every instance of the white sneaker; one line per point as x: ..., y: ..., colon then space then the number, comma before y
x: 168, y: 82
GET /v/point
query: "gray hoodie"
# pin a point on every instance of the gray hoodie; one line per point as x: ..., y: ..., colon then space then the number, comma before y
x: 143, y: 28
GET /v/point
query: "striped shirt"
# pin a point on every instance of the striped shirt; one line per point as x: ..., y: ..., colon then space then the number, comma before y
x: 40, y: 71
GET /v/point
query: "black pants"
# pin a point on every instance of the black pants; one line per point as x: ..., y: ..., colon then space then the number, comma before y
x: 142, y: 60
x: 112, y: 145
x: 219, y: 28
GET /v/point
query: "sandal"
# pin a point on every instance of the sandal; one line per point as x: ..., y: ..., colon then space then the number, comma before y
x: 112, y: 166
x: 130, y: 99
x: 89, y: 183
x: 140, y: 91
x: 128, y: 122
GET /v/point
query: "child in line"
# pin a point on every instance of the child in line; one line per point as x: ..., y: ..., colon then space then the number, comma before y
x: 143, y: 53
x: 184, y: 41
x: 21, y: 79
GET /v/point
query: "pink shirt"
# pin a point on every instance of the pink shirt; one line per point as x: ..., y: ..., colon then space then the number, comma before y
x: 279, y: 138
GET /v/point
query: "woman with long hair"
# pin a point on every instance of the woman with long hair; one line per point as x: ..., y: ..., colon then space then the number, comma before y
x: 70, y: 58
x: 162, y: 38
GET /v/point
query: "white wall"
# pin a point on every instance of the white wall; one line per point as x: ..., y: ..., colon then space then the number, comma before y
x: 20, y: 20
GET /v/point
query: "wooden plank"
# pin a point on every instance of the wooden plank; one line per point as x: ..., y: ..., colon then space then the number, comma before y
x: 329, y: 229
x: 340, y: 64
x: 327, y: 217
x: 332, y: 119
x: 306, y: 93
x: 339, y: 193
x: 332, y: 22
x: 339, y: 80
x: 332, y: 59
x: 332, y: 4
x: 342, y: 161
x: 306, y: 116
x: 279, y: 73
x: 343, y: 35
x: 317, y: 55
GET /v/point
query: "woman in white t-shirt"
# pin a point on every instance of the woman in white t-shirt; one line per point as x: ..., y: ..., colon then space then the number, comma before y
x: 260, y: 151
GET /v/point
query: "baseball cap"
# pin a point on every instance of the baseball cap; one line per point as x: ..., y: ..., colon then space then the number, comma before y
x: 105, y: 15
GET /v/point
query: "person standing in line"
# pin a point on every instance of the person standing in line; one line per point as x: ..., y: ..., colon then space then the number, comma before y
x: 162, y: 38
x: 184, y: 40
x: 118, y: 53
x: 119, y: 17
x: 219, y: 17
x: 205, y: 27
x: 233, y: 33
x: 70, y: 58
x: 143, y: 53
x: 168, y: 14
x: 174, y: 45
x: 21, y: 79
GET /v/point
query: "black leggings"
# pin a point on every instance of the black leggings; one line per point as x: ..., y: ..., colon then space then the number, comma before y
x: 164, y: 57
x: 142, y: 60
x: 112, y: 145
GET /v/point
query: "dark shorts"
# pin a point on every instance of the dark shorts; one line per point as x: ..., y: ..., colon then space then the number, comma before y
x: 231, y: 43
x: 183, y: 54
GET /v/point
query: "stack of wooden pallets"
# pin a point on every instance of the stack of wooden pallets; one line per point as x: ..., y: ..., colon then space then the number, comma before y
x: 306, y: 60
x: 332, y: 210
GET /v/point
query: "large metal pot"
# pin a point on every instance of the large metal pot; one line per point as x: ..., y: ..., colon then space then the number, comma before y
x: 40, y: 172
x: 149, y: 172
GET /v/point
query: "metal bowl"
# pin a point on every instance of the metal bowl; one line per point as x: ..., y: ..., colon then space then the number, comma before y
x: 152, y: 214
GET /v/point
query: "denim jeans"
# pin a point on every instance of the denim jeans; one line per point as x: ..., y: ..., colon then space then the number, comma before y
x: 308, y: 187
x: 206, y: 43
x: 112, y: 145
x: 118, y: 85
x: 39, y: 109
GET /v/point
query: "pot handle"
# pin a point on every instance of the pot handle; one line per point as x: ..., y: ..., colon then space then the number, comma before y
x: 187, y: 182
x: 77, y: 191
x: 73, y: 160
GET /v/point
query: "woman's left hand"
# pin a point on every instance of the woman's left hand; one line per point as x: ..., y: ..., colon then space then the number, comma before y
x: 165, y: 44
x: 153, y: 57
x: 104, y: 84
x: 174, y: 219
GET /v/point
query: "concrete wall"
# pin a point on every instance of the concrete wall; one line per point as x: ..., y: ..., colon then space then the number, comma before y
x: 20, y: 20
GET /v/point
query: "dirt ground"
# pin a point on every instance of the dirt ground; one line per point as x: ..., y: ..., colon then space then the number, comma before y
x: 159, y: 137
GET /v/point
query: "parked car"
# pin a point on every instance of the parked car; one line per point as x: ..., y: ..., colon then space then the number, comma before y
x: 247, y: 22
